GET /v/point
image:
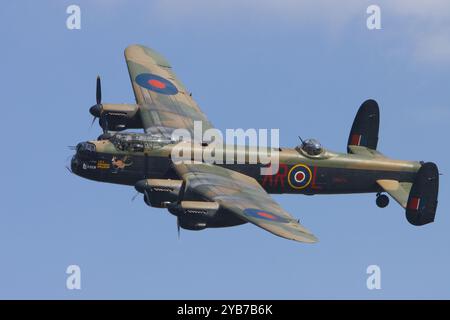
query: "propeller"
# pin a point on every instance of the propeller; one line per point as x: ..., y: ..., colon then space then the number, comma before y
x: 178, y: 227
x: 96, y: 110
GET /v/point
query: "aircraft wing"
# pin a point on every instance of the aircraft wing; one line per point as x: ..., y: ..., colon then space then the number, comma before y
x: 244, y: 197
x: 398, y: 190
x: 165, y: 104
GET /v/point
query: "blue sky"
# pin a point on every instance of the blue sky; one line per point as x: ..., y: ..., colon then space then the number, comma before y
x: 301, y: 66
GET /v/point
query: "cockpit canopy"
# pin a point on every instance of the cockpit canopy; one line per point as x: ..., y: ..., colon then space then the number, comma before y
x: 311, y: 147
x: 137, y: 142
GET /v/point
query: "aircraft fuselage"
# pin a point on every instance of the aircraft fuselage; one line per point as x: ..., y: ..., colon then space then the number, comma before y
x: 332, y: 173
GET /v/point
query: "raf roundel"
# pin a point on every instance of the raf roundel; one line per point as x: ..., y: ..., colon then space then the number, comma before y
x: 264, y: 215
x: 156, y: 83
x: 299, y: 176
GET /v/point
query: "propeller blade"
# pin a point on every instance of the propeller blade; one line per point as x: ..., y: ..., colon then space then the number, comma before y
x: 134, y: 197
x: 104, y: 124
x: 178, y: 227
x: 96, y: 110
x: 70, y: 170
x: 98, y: 92
x: 92, y: 123
x: 146, y: 194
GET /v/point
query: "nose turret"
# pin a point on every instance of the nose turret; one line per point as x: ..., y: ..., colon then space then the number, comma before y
x: 85, y: 151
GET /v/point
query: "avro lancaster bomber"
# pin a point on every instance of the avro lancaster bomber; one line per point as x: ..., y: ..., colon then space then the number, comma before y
x: 213, y: 195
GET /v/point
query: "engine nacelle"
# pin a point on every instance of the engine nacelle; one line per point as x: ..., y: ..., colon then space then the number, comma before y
x: 190, y: 224
x: 117, y: 117
x: 159, y: 192
x: 194, y: 208
x: 194, y: 215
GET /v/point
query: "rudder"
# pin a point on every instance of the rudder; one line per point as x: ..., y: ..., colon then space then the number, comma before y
x: 365, y: 127
x: 422, y: 200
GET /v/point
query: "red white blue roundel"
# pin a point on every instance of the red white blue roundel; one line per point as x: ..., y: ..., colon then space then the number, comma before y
x: 156, y: 83
x: 265, y: 215
x: 299, y: 176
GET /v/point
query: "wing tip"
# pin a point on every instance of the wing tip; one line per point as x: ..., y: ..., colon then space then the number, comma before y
x: 156, y: 56
x: 309, y: 238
